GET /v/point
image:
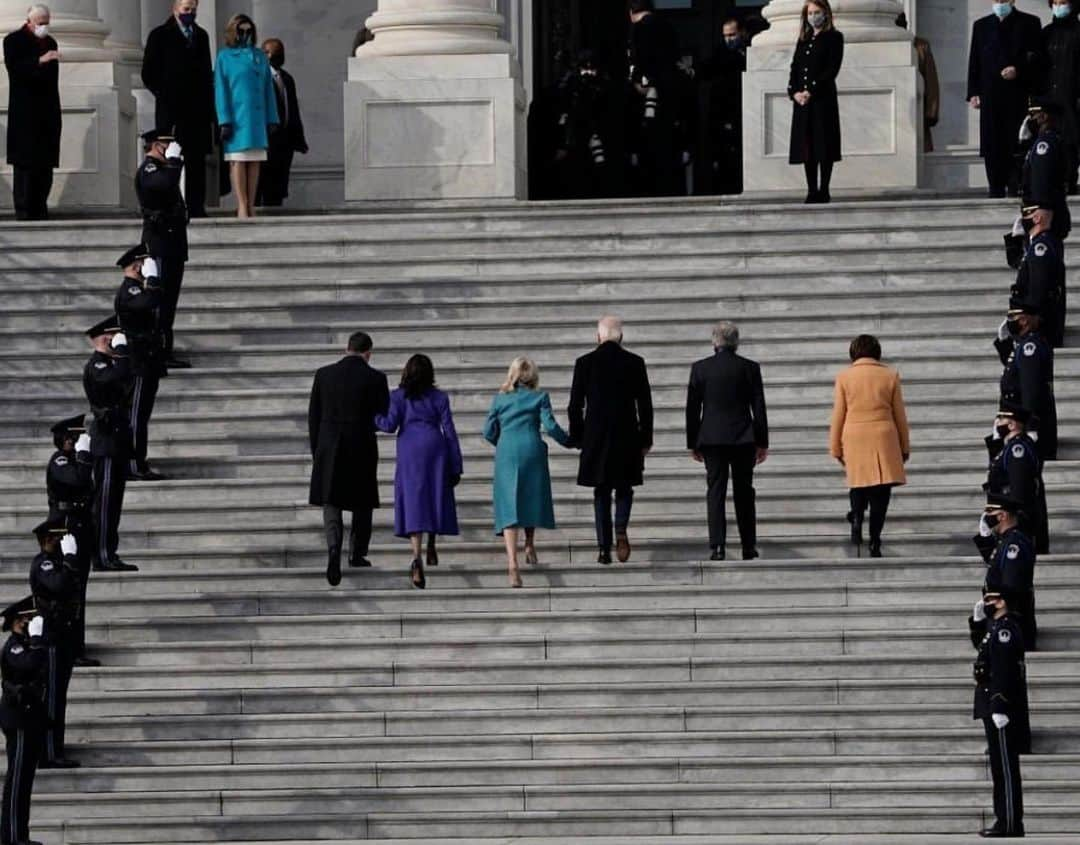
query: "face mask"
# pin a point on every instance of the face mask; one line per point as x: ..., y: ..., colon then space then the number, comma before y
x: 733, y: 42
x: 1062, y: 11
x: 992, y: 520
x: 816, y: 19
x: 41, y: 30
x: 1002, y: 10
x: 1003, y: 431
x: 1013, y: 327
x: 1028, y: 223
x: 187, y: 19
x: 244, y: 38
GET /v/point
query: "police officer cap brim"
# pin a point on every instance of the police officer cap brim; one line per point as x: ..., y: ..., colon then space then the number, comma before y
x: 158, y: 135
x: 1028, y: 210
x: 1013, y: 411
x: 109, y: 324
x: 73, y: 425
x: 23, y: 607
x: 1018, y: 307
x: 54, y: 524
x: 1047, y: 105
x: 132, y: 255
x: 999, y: 502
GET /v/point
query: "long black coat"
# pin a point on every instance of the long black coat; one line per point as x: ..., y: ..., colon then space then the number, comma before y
x: 997, y: 44
x: 345, y: 398
x: 815, y: 127
x: 179, y: 75
x: 33, y: 135
x: 1061, y: 40
x: 611, y: 416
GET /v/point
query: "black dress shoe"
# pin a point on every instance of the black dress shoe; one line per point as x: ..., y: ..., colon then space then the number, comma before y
x: 177, y: 363
x: 824, y: 197
x: 113, y: 565
x: 750, y: 554
x: 359, y: 562
x: 60, y: 763
x: 84, y: 662
x: 875, y: 550
x: 717, y: 553
x: 604, y: 558
x: 147, y: 474
x: 997, y: 833
x: 333, y: 568
x: 416, y: 574
x: 432, y: 557
x: 811, y: 198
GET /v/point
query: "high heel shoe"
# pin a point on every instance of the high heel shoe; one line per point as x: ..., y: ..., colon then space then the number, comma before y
x: 875, y: 549
x: 515, y: 576
x: 856, y: 528
x: 530, y: 556
x: 432, y: 556
x: 417, y: 569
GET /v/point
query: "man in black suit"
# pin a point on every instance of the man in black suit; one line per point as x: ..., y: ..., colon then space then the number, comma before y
x: 345, y: 398
x: 288, y: 138
x: 728, y: 430
x: 33, y: 119
x: 1003, y: 70
x: 177, y: 71
x: 611, y: 421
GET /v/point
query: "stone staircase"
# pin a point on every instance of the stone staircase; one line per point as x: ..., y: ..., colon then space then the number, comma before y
x: 668, y: 700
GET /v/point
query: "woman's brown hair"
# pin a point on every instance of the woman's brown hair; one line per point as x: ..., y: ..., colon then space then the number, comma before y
x: 232, y: 38
x: 865, y: 346
x: 806, y: 32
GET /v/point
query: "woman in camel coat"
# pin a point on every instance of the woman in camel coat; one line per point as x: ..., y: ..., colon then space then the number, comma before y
x: 869, y: 436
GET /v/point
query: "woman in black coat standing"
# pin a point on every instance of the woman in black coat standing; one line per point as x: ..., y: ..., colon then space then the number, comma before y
x: 815, y: 122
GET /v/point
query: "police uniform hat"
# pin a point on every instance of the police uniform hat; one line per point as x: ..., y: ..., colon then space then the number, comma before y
x: 158, y: 135
x: 133, y: 255
x: 65, y: 428
x: 106, y: 326
x: 1047, y: 105
x: 55, y: 524
x: 1014, y: 411
x: 1018, y: 307
x: 1001, y: 502
x: 23, y: 607
x: 1028, y: 210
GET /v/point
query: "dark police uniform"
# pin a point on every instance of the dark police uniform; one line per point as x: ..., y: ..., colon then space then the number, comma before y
x: 1028, y: 380
x: 108, y: 382
x: 55, y: 583
x: 1041, y: 280
x: 1044, y: 182
x: 139, y: 308
x: 23, y: 665
x: 1016, y: 471
x: 1001, y: 687
x: 1010, y: 558
x: 165, y: 219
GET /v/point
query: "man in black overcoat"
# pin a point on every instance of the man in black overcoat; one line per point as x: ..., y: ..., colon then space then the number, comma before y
x: 728, y: 430
x: 654, y: 72
x: 718, y: 160
x: 177, y: 71
x: 345, y: 398
x: 33, y: 134
x: 611, y: 421
x: 1004, y: 66
x: 288, y: 138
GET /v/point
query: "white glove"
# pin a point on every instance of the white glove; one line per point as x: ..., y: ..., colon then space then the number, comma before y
x: 83, y: 443
x: 979, y: 613
x: 174, y: 151
x: 984, y: 529
x: 119, y: 339
x: 150, y: 269
x: 37, y: 626
x: 68, y: 545
x: 1003, y: 330
x: 1000, y: 720
x: 1026, y: 132
x: 1018, y: 226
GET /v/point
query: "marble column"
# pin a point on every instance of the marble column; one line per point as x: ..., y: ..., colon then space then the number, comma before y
x: 880, y: 109
x: 434, y: 106
x: 97, y: 149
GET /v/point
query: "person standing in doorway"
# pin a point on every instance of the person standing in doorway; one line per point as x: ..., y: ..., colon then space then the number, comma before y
x: 654, y: 57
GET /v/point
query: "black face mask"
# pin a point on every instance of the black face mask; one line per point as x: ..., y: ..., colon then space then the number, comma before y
x: 277, y: 60
x: 1003, y: 431
x: 1014, y: 327
x: 244, y: 37
x: 992, y: 520
x: 1028, y: 223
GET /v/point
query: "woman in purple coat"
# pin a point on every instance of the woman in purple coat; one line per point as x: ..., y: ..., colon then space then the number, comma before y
x: 428, y: 461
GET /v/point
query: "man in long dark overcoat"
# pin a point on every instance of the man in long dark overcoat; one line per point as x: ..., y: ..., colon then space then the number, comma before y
x: 33, y: 133
x: 345, y: 398
x: 611, y: 421
x: 1004, y: 66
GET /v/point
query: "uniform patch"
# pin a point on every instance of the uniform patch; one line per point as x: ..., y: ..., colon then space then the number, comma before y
x: 1013, y: 552
x: 1029, y: 349
x: 1018, y: 451
x: 100, y: 365
x: 61, y: 461
x: 135, y: 290
x: 1004, y: 635
x: 47, y: 566
x: 150, y: 167
x: 17, y: 649
x: 1042, y: 148
x: 1040, y: 250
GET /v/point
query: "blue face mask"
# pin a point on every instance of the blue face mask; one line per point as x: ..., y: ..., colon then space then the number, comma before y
x: 245, y: 39
x: 187, y: 19
x: 1003, y: 10
x: 1062, y: 11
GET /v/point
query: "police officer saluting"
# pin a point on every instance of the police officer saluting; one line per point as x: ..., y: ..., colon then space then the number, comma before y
x: 1044, y: 181
x: 70, y: 486
x: 1001, y: 702
x: 23, y: 665
x: 1040, y: 279
x: 1028, y: 377
x: 1010, y: 555
x: 139, y: 303
x: 1016, y: 471
x: 165, y: 219
x: 109, y: 382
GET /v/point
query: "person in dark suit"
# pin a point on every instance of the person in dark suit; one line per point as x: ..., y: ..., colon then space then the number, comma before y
x: 611, y: 421
x: 33, y: 119
x: 177, y: 71
x: 718, y: 160
x: 288, y: 138
x: 815, y: 119
x: 1003, y: 69
x: 345, y: 398
x: 727, y: 429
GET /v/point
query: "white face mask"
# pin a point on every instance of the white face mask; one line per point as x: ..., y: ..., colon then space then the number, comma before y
x: 41, y: 30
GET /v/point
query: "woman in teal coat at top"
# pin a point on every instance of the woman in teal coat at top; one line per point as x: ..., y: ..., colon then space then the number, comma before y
x: 246, y: 108
x: 522, y: 484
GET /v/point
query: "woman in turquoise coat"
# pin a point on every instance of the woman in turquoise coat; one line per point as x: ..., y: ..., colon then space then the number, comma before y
x: 522, y: 484
x: 246, y: 109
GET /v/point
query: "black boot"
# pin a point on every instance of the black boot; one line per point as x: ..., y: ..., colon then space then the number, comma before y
x: 333, y: 567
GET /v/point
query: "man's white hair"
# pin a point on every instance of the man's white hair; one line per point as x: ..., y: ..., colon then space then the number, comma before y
x: 38, y: 9
x: 609, y: 328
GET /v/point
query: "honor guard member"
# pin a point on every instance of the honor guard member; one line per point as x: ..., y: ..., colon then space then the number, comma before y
x: 108, y: 382
x: 1044, y: 180
x: 1001, y: 702
x: 1040, y: 279
x: 70, y: 484
x: 139, y: 303
x: 55, y: 584
x: 24, y: 667
x: 1028, y: 377
x: 165, y: 219
x: 1015, y: 470
x: 1010, y: 557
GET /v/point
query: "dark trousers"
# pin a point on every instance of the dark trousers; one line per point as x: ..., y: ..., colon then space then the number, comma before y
x: 60, y: 668
x: 195, y: 183
x: 24, y: 747
x: 624, y: 502
x: 110, y: 481
x: 359, y: 531
x: 142, y: 406
x: 31, y: 192
x: 877, y: 499
x: 274, y: 176
x: 1001, y: 173
x: 1042, y: 522
x: 1004, y: 748
x: 738, y: 463
x: 82, y: 529
x: 172, y: 279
